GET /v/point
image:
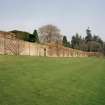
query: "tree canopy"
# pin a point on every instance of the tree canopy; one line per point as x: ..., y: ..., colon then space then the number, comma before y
x: 50, y: 34
x: 91, y: 43
x: 26, y: 36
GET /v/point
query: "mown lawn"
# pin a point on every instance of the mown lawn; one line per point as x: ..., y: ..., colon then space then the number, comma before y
x: 28, y: 80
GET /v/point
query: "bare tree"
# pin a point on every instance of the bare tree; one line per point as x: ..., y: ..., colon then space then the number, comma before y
x: 49, y: 34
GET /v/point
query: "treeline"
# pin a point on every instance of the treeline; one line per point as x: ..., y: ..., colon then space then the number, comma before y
x: 51, y: 34
x: 90, y: 43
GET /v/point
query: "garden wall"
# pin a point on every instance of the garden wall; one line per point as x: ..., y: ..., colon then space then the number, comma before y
x: 10, y: 45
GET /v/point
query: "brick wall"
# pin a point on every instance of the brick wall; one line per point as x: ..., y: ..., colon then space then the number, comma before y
x: 10, y: 45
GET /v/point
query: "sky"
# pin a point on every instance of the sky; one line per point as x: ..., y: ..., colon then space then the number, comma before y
x: 70, y: 16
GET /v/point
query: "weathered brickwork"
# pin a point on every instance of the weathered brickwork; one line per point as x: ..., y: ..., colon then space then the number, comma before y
x: 10, y: 45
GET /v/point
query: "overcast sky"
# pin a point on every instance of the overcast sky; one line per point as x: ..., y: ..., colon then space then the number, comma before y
x: 70, y: 16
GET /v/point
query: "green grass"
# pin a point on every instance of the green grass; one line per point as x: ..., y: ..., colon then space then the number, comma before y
x: 51, y: 81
